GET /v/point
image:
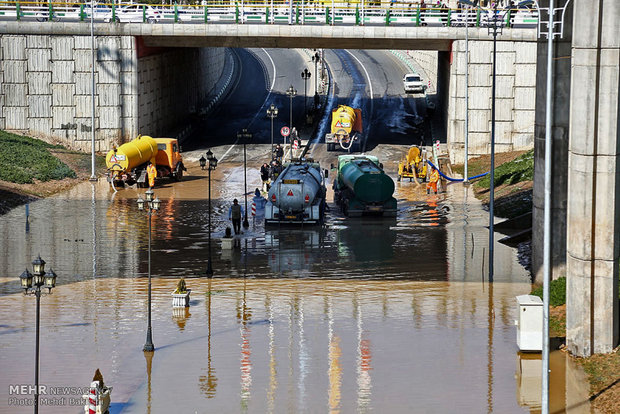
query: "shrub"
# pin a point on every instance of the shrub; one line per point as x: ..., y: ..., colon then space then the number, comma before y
x: 22, y: 159
x: 515, y: 171
x: 181, y: 287
x: 557, y: 292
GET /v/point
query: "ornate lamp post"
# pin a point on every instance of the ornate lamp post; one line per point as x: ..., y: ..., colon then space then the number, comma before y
x: 316, y: 58
x: 152, y: 206
x: 272, y: 112
x: 203, y: 162
x: 212, y: 165
x: 245, y: 136
x: 291, y: 93
x: 32, y: 283
x: 305, y: 75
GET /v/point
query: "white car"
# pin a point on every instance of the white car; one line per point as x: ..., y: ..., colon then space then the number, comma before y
x: 135, y: 13
x: 412, y: 82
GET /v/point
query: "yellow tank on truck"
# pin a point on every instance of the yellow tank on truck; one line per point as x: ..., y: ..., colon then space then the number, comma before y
x: 132, y: 154
x: 343, y: 120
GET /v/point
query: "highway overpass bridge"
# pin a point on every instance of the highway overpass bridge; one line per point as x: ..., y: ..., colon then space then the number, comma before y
x: 46, y: 92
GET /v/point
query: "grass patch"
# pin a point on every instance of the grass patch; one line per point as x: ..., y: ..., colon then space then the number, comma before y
x: 512, y: 172
x: 23, y: 159
x: 557, y: 292
x: 602, y: 370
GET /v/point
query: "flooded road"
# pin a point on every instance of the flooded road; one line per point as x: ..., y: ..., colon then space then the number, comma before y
x: 354, y: 316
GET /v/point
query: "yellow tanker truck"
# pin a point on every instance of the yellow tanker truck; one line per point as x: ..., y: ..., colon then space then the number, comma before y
x: 127, y: 163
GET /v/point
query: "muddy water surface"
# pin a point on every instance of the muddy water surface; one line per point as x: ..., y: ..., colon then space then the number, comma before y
x: 354, y: 316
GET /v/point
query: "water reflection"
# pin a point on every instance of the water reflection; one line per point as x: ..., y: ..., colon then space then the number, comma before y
x: 208, y: 383
x: 352, y: 316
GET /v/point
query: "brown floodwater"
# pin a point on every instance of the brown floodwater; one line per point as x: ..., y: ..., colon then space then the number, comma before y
x: 353, y: 316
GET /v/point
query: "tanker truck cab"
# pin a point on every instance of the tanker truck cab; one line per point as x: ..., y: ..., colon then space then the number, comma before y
x: 297, y: 196
x: 168, y: 160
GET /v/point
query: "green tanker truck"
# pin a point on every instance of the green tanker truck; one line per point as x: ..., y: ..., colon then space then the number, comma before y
x: 362, y: 187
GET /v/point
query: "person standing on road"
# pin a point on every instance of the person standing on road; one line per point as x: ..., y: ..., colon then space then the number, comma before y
x: 432, y: 181
x: 151, y: 171
x: 278, y: 153
x: 264, y: 176
x: 235, y: 212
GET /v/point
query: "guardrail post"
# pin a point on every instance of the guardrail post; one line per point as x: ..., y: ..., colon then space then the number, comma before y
x: 508, y: 18
x: 143, y: 13
x: 50, y: 15
x: 327, y: 15
x: 387, y: 18
x: 417, y: 16
x: 449, y: 22
x: 236, y: 13
x: 113, y: 13
x: 478, y: 18
x: 18, y: 11
x: 176, y: 13
x: 297, y: 14
x: 206, y: 14
x: 357, y: 15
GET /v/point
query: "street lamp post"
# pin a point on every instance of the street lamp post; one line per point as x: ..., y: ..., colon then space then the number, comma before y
x: 495, y: 26
x: 212, y: 165
x: 245, y: 136
x: 291, y: 93
x: 272, y: 112
x: 153, y: 206
x: 305, y: 75
x: 32, y: 283
x: 316, y: 58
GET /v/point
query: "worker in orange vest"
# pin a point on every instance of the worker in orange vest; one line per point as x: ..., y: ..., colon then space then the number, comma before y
x: 152, y: 173
x: 432, y: 181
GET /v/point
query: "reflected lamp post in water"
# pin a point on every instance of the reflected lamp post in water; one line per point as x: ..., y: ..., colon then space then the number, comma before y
x: 212, y: 165
x: 291, y: 93
x: 152, y: 207
x: 272, y: 112
x: 32, y: 283
x: 305, y: 75
x: 245, y: 136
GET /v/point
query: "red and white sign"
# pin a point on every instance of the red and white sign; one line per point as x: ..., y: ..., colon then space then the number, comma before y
x: 285, y: 131
x: 295, y: 144
x: 290, y: 193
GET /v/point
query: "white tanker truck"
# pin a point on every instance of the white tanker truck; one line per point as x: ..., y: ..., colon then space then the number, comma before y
x: 297, y: 195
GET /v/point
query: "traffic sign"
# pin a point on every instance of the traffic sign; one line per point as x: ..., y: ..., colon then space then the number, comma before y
x: 295, y: 144
x: 285, y: 131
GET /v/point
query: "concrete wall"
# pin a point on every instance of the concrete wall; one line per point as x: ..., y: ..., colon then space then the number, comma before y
x: 45, y: 88
x: 515, y: 97
x: 175, y: 83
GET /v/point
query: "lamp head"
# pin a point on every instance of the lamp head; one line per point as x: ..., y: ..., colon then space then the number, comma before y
x: 140, y: 203
x: 156, y: 204
x: 50, y: 279
x: 209, y: 155
x: 26, y: 280
x: 38, y: 265
x: 203, y: 162
x: 149, y: 195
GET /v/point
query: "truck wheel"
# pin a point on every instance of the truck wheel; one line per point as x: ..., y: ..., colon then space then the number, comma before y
x: 178, y: 173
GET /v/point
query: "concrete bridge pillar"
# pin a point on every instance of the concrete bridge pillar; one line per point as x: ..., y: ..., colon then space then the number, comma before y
x: 593, y: 213
x: 561, y: 72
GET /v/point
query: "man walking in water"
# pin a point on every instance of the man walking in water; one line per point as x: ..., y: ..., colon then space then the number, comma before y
x: 235, y: 212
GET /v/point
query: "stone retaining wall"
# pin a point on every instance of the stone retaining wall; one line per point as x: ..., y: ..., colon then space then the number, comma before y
x: 46, y: 84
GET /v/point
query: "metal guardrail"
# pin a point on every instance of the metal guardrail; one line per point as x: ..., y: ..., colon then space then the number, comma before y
x: 321, y: 12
